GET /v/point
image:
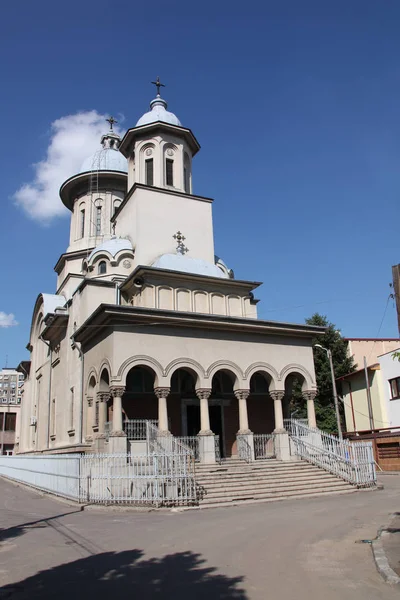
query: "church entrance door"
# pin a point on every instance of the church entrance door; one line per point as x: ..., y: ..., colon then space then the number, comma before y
x: 216, y: 424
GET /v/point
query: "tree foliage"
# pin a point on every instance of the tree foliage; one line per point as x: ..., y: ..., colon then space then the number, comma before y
x: 342, y: 364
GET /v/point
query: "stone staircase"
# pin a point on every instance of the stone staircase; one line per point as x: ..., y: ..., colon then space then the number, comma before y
x: 235, y: 481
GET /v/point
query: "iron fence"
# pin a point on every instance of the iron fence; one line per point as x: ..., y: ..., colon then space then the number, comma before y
x: 353, y: 462
x: 243, y: 448
x: 192, y: 442
x: 264, y: 445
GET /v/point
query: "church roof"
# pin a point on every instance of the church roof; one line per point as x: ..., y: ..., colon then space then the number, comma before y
x: 185, y: 264
x: 105, y: 159
x: 158, y: 112
x: 112, y: 246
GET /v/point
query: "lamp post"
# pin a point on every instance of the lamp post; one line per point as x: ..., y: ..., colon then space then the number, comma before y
x: 335, y: 397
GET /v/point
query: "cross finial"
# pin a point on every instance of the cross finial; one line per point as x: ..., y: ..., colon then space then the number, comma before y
x: 111, y: 120
x: 158, y: 84
x: 181, y: 248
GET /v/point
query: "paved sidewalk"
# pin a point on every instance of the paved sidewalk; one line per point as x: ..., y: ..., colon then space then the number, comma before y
x: 391, y: 544
x: 303, y: 549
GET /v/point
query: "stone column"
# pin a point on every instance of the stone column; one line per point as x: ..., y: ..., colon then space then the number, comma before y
x: 242, y: 396
x: 244, y: 430
x: 118, y: 442
x: 281, y: 438
x: 117, y: 393
x: 203, y: 395
x: 277, y: 397
x: 89, y: 419
x: 162, y: 394
x: 102, y: 397
x: 309, y: 395
x: 206, y: 436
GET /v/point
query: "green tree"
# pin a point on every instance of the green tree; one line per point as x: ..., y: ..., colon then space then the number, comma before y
x: 342, y: 364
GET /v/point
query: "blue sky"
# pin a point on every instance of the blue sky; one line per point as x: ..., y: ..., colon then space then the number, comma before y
x: 295, y: 104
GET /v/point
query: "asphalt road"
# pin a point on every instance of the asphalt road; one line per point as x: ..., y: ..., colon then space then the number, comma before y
x: 293, y: 549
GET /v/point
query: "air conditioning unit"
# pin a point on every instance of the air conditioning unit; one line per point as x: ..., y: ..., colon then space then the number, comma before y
x: 33, y: 420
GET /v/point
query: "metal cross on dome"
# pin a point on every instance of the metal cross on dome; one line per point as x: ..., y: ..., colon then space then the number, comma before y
x: 158, y: 84
x: 181, y: 248
x: 111, y: 120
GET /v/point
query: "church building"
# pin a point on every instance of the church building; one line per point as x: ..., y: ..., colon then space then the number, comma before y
x: 146, y: 322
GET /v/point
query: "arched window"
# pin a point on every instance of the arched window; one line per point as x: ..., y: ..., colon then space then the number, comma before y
x: 117, y: 204
x: 82, y: 223
x: 98, y: 220
x: 102, y: 269
x: 186, y: 173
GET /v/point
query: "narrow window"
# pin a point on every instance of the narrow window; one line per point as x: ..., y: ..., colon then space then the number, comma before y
x: 169, y: 172
x: 149, y: 172
x: 102, y: 270
x: 71, y: 411
x: 53, y: 417
x: 186, y: 179
x: 98, y: 220
x: 82, y: 227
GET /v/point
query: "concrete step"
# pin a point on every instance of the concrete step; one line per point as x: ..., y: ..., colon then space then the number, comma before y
x: 296, y: 496
x: 255, y: 474
x: 227, y: 483
x: 253, y: 492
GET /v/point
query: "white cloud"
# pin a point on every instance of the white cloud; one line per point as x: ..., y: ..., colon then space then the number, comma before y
x: 72, y: 139
x: 7, y: 320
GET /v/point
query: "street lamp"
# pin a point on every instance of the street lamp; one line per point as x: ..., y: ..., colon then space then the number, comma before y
x: 335, y: 397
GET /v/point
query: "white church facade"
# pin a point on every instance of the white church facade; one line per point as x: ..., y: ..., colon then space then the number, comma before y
x: 146, y: 322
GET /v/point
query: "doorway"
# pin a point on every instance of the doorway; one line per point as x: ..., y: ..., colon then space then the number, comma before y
x: 216, y: 421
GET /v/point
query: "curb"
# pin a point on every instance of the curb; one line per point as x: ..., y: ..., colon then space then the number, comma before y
x: 381, y: 560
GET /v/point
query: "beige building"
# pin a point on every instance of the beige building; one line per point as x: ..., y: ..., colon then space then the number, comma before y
x: 11, y: 382
x: 363, y: 413
x: 146, y: 321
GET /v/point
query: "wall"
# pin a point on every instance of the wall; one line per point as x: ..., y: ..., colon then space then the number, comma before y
x: 371, y: 349
x: 389, y: 370
x: 358, y: 396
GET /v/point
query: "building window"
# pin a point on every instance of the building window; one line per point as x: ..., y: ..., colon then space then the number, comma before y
x: 10, y: 421
x: 98, y: 220
x: 117, y: 204
x: 82, y: 225
x: 149, y: 172
x: 395, y: 388
x: 71, y: 410
x: 53, y: 417
x: 169, y: 172
x: 102, y: 270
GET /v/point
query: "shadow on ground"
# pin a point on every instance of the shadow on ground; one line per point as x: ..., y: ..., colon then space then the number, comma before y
x: 17, y: 530
x: 127, y: 574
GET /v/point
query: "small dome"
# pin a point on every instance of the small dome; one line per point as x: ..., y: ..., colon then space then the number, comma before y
x: 105, y: 159
x: 158, y: 112
x: 185, y: 264
x: 112, y: 246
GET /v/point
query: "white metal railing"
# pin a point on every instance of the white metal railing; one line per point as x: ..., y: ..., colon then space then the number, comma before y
x: 217, y: 449
x: 192, y: 442
x: 160, y: 441
x: 351, y: 461
x: 59, y: 474
x: 264, y: 445
x: 156, y: 479
x: 243, y: 448
x: 135, y: 429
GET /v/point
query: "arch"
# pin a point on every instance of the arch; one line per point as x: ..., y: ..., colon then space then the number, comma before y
x: 141, y: 361
x: 230, y: 367
x: 92, y: 379
x: 104, y: 382
x: 262, y: 367
x: 190, y: 365
x: 298, y: 369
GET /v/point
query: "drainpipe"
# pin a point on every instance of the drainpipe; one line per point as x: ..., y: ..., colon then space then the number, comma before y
x: 352, y: 406
x: 117, y: 294
x: 49, y: 398
x: 81, y: 356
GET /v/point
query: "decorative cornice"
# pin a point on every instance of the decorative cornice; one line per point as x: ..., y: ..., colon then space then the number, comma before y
x: 277, y: 395
x: 117, y: 391
x: 162, y: 392
x: 203, y: 393
x: 242, y: 394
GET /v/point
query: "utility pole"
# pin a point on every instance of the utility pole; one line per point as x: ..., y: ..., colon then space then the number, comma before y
x: 335, y: 396
x: 369, y: 401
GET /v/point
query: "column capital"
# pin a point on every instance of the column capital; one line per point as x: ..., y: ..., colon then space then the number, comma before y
x: 103, y: 396
x: 89, y: 400
x: 117, y: 391
x: 242, y: 394
x: 162, y: 392
x: 277, y: 394
x: 203, y: 393
x: 310, y: 394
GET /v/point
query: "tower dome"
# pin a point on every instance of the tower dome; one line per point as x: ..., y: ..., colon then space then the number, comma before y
x: 108, y: 157
x: 158, y: 112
